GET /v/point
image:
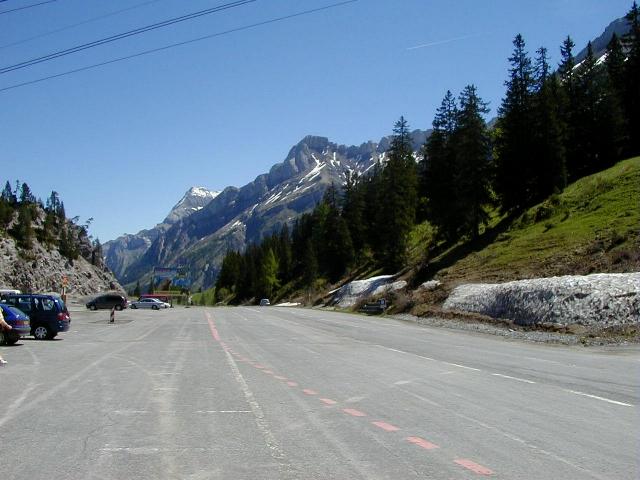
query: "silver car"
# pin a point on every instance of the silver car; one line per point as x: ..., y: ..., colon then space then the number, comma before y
x: 152, y: 303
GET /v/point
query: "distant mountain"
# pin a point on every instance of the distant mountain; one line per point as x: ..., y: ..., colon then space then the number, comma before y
x: 126, y: 249
x: 619, y: 26
x: 238, y: 217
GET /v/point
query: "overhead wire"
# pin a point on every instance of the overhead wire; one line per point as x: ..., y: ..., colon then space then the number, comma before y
x: 84, y: 22
x: 2, y: 12
x: 187, y: 42
x: 123, y: 35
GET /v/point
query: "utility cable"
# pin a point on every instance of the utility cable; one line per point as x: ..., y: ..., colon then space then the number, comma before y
x: 26, y: 6
x: 90, y: 20
x: 167, y: 47
x: 120, y: 36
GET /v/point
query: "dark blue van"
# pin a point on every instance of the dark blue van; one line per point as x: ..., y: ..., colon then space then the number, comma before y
x: 19, y: 322
x: 48, y: 313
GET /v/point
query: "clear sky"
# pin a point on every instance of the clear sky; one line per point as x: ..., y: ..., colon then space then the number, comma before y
x: 122, y: 143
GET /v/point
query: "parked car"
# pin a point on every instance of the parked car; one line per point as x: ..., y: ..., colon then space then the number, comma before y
x: 152, y: 303
x: 47, y: 313
x: 265, y: 302
x: 20, y: 326
x: 109, y: 301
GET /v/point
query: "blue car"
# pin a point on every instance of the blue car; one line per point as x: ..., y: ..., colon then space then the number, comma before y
x: 47, y: 313
x: 20, y: 325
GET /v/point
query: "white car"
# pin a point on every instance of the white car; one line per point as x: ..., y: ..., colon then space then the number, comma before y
x: 152, y: 303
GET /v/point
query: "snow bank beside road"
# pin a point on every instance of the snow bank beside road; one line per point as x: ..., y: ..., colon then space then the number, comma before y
x: 353, y: 292
x: 593, y: 300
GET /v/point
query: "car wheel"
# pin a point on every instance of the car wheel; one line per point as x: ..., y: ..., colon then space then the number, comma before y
x: 154, y: 307
x: 118, y: 307
x: 41, y: 333
x: 93, y: 307
x: 134, y: 306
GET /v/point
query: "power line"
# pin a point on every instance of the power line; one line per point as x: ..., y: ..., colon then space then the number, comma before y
x: 62, y: 29
x: 167, y: 47
x: 120, y: 36
x: 26, y: 6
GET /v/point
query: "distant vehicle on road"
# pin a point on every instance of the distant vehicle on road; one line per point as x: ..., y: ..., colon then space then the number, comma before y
x: 162, y: 298
x: 265, y: 302
x: 109, y: 301
x: 152, y: 303
x: 48, y: 313
x: 20, y: 325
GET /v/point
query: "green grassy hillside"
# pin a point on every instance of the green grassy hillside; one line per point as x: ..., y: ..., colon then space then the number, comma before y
x: 593, y: 226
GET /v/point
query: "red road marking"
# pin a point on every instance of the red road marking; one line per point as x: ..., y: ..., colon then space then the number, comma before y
x: 421, y: 442
x: 386, y: 426
x: 354, y: 413
x: 292, y: 384
x: 474, y: 467
x: 308, y: 391
x: 213, y: 329
x: 328, y: 401
x: 278, y: 377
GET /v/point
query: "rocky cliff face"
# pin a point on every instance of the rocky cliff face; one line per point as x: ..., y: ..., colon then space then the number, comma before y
x: 42, y: 270
x: 238, y: 217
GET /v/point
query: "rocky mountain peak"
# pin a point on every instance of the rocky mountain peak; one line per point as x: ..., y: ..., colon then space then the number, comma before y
x: 193, y: 200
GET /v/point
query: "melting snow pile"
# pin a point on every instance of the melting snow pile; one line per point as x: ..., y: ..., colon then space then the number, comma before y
x: 351, y: 293
x: 592, y: 300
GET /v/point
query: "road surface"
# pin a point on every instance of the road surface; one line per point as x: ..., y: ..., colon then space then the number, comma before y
x: 287, y: 393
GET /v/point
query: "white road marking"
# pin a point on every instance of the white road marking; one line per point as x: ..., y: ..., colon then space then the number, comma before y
x: 402, y: 382
x: 608, y: 400
x: 462, y: 366
x: 512, y: 378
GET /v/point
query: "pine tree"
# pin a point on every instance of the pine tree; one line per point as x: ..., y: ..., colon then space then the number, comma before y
x: 23, y: 230
x: 596, y: 122
x: 615, y: 64
x: 136, y: 290
x: 438, y: 179
x: 353, y: 212
x: 399, y: 189
x: 8, y: 195
x: 550, y: 168
x: 631, y: 41
x: 569, y: 104
x: 25, y: 194
x: 473, y: 163
x: 515, y: 139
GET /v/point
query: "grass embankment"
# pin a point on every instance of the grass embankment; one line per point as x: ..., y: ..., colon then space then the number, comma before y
x: 592, y: 226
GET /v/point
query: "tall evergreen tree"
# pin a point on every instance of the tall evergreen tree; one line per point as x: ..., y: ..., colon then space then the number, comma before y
x: 8, y: 195
x: 631, y: 41
x: 23, y: 229
x: 438, y: 171
x: 569, y: 104
x: 473, y: 163
x: 615, y: 65
x: 550, y: 165
x: 515, y: 137
x: 597, y: 123
x: 399, y: 188
x: 353, y: 210
x: 25, y: 194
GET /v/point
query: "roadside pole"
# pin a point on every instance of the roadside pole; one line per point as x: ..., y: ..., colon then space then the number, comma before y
x: 112, y: 317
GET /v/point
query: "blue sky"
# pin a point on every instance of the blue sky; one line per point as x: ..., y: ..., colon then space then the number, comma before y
x: 123, y: 142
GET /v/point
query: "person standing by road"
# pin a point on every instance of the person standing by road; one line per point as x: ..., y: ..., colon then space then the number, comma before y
x: 4, y: 326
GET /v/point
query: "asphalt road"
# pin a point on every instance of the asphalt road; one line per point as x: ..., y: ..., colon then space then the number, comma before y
x: 286, y: 393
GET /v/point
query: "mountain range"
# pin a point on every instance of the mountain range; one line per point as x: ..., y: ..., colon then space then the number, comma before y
x: 204, y: 225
